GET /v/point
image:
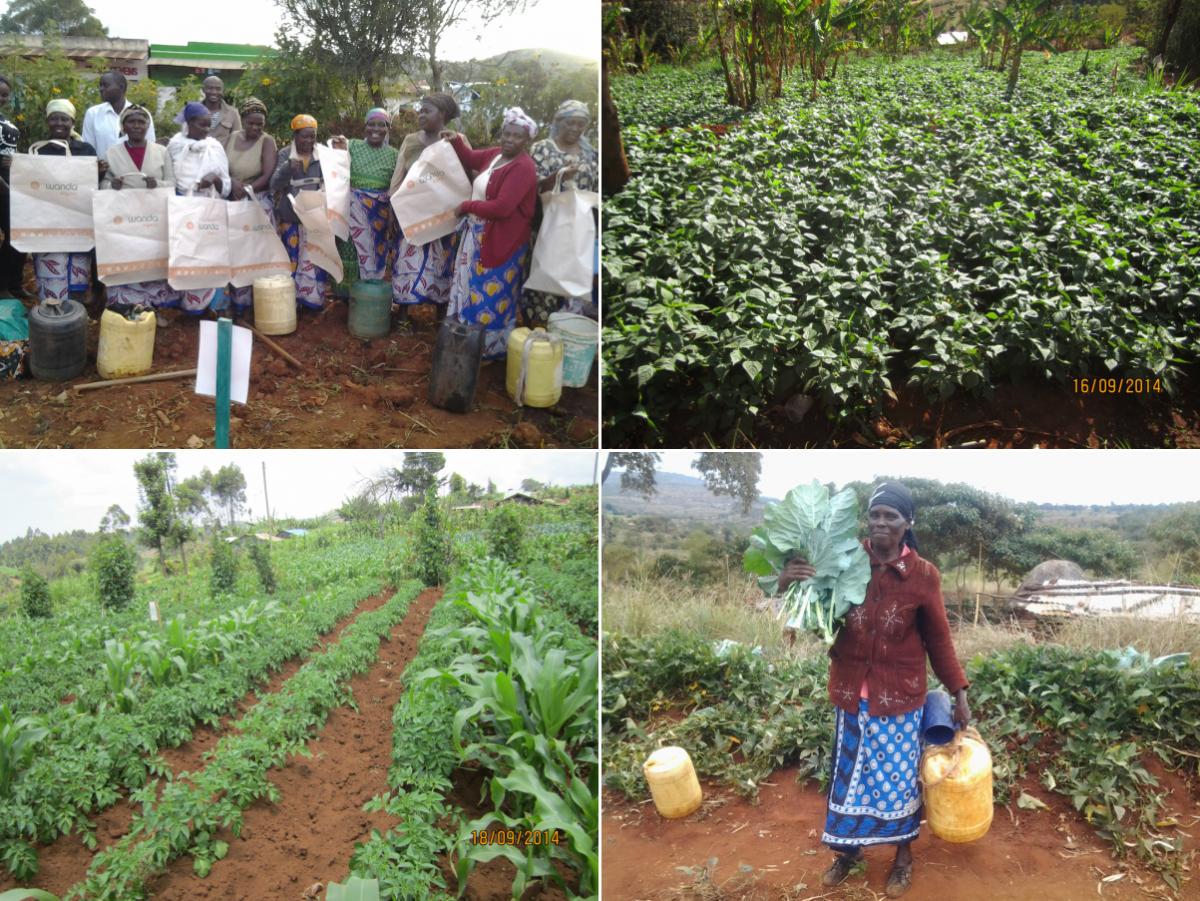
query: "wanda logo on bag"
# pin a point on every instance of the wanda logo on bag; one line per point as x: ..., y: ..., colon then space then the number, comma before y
x: 134, y: 220
x: 54, y: 186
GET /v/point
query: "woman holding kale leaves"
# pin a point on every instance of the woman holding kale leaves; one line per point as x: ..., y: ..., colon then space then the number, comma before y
x: 877, y: 684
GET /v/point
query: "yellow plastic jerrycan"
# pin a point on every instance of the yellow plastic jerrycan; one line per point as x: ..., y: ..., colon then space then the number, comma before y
x: 673, y: 783
x: 958, y: 788
x: 535, y: 367
x: 126, y: 345
x: 275, y: 304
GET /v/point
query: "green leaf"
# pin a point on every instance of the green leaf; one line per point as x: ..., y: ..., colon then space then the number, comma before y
x: 353, y: 889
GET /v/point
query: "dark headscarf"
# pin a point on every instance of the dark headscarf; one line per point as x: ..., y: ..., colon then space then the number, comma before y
x: 443, y: 101
x: 897, y: 496
x: 252, y: 105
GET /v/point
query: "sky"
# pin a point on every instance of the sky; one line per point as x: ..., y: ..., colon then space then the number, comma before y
x: 57, y: 491
x: 1043, y: 477
x: 572, y: 26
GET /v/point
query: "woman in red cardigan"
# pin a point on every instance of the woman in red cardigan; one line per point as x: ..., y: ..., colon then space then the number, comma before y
x: 877, y: 684
x: 490, y: 267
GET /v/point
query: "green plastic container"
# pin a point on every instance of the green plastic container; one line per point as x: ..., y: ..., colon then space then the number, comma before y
x: 370, y: 309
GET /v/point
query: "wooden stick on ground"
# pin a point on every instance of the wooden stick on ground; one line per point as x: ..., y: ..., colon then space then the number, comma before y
x: 275, y: 347
x: 153, y: 377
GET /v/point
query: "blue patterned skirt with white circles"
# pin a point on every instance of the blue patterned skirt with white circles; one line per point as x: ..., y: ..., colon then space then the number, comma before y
x: 874, y: 797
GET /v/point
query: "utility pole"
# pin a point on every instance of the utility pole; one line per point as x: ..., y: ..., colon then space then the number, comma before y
x: 266, y: 497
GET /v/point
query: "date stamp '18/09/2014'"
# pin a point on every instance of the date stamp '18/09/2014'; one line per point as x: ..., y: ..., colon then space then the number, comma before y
x: 519, y: 837
x: 1116, y: 385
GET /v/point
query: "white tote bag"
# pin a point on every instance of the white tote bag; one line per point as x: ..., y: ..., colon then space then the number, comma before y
x: 432, y: 189
x: 318, y: 232
x: 199, y: 245
x: 335, y: 170
x: 255, y: 249
x: 52, y: 203
x: 564, y: 253
x: 132, y: 238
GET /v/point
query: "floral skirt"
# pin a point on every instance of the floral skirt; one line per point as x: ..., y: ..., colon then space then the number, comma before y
x: 62, y: 274
x: 372, y: 229
x: 310, y: 279
x: 874, y: 797
x: 489, y: 297
x: 155, y: 295
x: 423, y: 271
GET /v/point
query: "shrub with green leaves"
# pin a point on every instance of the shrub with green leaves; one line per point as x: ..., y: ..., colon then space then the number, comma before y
x: 429, y: 552
x: 223, y: 563
x: 113, y: 567
x: 35, y: 595
x: 261, y: 555
x: 505, y: 534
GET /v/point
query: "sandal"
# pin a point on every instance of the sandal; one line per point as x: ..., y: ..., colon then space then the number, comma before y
x: 899, y: 880
x: 839, y: 870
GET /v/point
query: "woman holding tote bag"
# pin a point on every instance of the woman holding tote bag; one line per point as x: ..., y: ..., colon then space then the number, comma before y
x: 490, y: 268
x: 62, y: 275
x: 139, y: 163
x: 422, y: 272
x: 299, y: 169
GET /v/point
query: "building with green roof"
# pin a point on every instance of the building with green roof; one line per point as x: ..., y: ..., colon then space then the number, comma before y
x: 170, y: 64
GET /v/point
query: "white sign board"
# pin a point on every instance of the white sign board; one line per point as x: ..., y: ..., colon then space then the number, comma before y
x: 153, y: 612
x: 206, y: 364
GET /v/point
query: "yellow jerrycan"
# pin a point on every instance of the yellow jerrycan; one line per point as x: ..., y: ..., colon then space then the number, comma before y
x: 673, y: 783
x: 534, y: 377
x: 126, y: 345
x: 957, y: 779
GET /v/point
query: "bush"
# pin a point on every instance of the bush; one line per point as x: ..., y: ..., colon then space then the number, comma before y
x: 262, y: 562
x: 289, y: 84
x: 429, y: 557
x: 35, y: 595
x: 224, y: 567
x: 505, y: 535
x: 113, y: 566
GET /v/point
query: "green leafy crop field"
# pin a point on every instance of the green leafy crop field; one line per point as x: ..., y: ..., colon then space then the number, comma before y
x: 909, y: 232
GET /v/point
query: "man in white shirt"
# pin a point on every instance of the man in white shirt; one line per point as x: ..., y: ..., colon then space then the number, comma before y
x: 101, y: 123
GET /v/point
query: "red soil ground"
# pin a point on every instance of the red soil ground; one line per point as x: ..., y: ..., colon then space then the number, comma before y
x: 351, y: 393
x: 773, y: 851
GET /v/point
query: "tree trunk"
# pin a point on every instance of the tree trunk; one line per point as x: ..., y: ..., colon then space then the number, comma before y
x: 435, y: 67
x: 1169, y: 17
x: 615, y: 167
x: 1012, y: 75
x: 183, y: 557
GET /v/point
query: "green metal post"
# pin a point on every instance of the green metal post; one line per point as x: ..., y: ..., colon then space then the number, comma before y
x: 224, y: 376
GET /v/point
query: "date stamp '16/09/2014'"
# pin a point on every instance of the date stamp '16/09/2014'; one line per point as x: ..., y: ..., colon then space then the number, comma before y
x: 1116, y: 385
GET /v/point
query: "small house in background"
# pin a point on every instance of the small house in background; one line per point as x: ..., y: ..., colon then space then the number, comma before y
x: 284, y: 534
x: 520, y: 497
x: 129, y: 57
x: 1068, y: 598
x: 465, y: 93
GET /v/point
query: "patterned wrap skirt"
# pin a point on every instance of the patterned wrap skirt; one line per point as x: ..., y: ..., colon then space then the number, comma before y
x: 155, y: 295
x: 310, y: 279
x: 61, y: 274
x: 423, y: 272
x: 489, y: 297
x: 372, y: 229
x: 874, y: 797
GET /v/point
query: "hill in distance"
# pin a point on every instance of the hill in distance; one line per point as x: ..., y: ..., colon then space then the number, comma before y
x: 679, y: 497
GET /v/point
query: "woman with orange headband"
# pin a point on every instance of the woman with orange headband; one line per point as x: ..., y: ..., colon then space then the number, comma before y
x: 297, y: 169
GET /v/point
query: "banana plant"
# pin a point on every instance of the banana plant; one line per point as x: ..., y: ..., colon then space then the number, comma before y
x: 1024, y: 22
x: 830, y: 29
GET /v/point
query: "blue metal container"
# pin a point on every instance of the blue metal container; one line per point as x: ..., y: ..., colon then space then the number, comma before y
x: 938, y: 722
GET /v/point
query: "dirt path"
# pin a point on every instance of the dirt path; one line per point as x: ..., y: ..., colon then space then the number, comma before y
x: 351, y: 393
x: 65, y: 861
x: 308, y: 836
x: 773, y: 851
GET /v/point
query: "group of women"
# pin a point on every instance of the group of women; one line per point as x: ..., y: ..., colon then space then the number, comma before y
x: 475, y: 274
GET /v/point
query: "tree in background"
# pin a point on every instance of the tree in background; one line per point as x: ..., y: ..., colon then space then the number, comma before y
x: 436, y: 17
x: 415, y: 478
x: 1178, y: 534
x: 114, y: 520
x: 227, y: 486
x: 1101, y: 552
x: 293, y: 80
x: 161, y: 525
x: 532, y: 486
x: 191, y: 500
x: 71, y: 18
x: 35, y: 595
x: 223, y: 562
x: 113, y: 568
x: 638, y: 469
x: 734, y: 474
x: 261, y: 556
x: 429, y: 551
x: 505, y: 534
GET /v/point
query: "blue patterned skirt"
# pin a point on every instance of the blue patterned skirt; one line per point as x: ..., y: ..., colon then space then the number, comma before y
x: 874, y: 797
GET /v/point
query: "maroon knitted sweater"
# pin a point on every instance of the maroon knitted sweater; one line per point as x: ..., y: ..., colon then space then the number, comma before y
x: 509, y: 204
x: 886, y: 638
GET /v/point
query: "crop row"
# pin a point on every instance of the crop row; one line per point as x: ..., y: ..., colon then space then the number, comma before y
x: 88, y: 757
x: 1083, y: 721
x: 190, y: 811
x: 909, y: 230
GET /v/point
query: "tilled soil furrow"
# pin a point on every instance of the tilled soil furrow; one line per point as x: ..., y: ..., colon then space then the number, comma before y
x: 309, y: 835
x: 65, y: 861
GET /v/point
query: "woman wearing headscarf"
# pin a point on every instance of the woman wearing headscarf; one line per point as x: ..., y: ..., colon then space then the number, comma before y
x: 12, y: 261
x: 62, y: 275
x: 489, y: 269
x: 297, y: 169
x: 566, y: 151
x: 372, y: 224
x: 422, y: 271
x: 877, y: 684
x: 200, y: 163
x: 252, y: 155
x: 137, y: 162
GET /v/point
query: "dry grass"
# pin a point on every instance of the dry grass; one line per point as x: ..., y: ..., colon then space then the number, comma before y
x: 1153, y: 637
